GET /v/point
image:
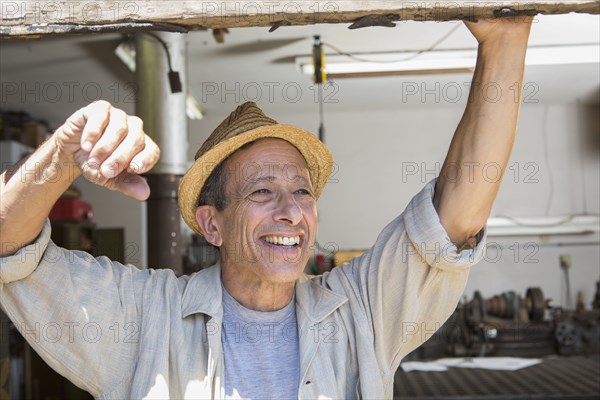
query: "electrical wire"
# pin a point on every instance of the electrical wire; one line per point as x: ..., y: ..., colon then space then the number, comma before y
x: 173, y: 76
x: 411, y: 57
x: 547, y: 160
x: 164, y: 45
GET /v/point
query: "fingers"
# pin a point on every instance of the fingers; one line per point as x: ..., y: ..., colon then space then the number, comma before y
x: 111, y: 137
x: 129, y: 184
x: 118, y: 145
x: 146, y: 159
x: 137, y: 153
x: 115, y: 149
x: 96, y: 117
x: 122, y: 146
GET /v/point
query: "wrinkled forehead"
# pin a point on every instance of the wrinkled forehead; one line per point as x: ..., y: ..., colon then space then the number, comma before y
x: 268, y: 157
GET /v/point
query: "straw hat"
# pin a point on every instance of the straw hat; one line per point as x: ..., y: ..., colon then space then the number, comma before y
x: 244, y: 125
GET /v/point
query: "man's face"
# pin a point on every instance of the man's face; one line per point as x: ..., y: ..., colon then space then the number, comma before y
x: 268, y: 227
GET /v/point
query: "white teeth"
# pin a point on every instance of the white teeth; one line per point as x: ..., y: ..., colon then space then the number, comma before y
x: 282, y: 240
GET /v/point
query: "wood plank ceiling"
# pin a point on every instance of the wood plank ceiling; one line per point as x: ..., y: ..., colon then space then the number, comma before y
x: 34, y: 19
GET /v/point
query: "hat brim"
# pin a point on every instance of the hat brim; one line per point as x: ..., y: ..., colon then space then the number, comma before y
x: 317, y: 156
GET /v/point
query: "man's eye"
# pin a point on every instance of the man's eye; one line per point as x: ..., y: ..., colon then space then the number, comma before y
x: 304, y: 192
x: 261, y: 195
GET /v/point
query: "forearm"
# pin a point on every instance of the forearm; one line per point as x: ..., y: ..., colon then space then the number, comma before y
x: 481, y: 147
x: 28, y: 193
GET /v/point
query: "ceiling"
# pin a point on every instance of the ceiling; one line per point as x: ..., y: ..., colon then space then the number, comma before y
x: 52, y: 77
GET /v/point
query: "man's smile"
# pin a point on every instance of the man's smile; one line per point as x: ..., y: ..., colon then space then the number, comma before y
x: 282, y: 240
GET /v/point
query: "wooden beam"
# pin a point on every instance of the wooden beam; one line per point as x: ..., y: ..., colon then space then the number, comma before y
x: 34, y: 18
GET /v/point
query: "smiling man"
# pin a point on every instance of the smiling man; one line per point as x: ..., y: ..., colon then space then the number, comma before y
x: 254, y: 325
x: 264, y: 220
x: 270, y: 218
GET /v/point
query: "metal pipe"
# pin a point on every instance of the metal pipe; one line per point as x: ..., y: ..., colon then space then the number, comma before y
x: 165, y: 121
x: 163, y: 112
x: 164, y: 230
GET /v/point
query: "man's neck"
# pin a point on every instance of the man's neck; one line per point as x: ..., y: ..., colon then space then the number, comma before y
x: 255, y: 294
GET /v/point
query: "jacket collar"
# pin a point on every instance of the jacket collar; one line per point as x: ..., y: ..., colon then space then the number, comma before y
x: 315, y: 300
x: 203, y: 294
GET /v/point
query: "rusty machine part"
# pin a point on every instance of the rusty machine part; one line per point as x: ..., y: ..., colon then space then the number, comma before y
x: 568, y: 335
x: 577, y: 332
x: 508, y: 305
x: 508, y: 324
x: 512, y: 325
x: 505, y: 305
x: 535, y: 304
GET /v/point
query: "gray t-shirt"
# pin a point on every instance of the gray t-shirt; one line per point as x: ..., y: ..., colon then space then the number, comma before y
x: 261, y: 351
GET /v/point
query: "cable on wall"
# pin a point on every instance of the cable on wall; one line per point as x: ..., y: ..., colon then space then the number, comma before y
x: 174, y: 80
x: 411, y: 57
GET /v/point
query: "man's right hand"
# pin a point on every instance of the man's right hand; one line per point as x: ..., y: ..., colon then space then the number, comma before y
x: 110, y: 148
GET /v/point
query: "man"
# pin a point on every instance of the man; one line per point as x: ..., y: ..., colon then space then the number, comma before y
x: 252, y: 192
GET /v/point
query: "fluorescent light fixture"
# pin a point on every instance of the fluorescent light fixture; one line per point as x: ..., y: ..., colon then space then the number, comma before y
x: 441, y: 61
x: 577, y: 225
x: 125, y: 51
x: 338, y: 66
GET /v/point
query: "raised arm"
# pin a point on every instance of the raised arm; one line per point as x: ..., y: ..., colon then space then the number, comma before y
x: 483, y: 141
x: 99, y: 141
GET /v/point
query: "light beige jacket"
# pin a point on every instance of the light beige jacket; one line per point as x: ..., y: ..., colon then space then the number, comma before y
x: 124, y: 333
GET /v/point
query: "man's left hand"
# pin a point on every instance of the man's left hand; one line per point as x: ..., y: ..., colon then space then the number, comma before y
x: 508, y: 29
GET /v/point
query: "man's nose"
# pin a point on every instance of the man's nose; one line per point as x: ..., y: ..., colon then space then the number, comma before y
x: 288, y: 209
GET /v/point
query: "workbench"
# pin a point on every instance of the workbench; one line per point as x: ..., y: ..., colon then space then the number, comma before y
x: 556, y: 377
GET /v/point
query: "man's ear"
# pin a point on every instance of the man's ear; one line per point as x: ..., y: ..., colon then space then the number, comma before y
x: 206, y: 218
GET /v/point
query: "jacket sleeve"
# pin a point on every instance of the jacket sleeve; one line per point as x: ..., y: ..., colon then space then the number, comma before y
x: 78, y: 312
x: 410, y: 281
